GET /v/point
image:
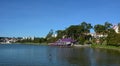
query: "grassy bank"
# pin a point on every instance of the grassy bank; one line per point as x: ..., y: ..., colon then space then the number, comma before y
x: 105, y: 47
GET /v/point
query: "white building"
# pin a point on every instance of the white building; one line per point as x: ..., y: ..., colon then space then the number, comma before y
x: 54, y: 35
x: 98, y: 35
x: 115, y: 27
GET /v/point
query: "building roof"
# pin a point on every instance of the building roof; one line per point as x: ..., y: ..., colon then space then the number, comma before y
x: 67, y: 40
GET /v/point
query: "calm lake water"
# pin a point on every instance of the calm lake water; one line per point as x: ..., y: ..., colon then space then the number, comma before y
x: 33, y: 55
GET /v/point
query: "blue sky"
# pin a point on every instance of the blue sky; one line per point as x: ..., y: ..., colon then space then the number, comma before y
x: 19, y: 18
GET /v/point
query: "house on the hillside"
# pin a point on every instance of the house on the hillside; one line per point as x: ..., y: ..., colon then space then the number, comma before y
x: 96, y: 35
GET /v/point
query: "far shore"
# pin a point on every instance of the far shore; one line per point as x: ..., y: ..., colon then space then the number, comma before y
x: 85, y: 45
x: 27, y: 43
x: 77, y: 45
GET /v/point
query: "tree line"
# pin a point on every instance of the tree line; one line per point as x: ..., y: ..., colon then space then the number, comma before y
x: 81, y: 33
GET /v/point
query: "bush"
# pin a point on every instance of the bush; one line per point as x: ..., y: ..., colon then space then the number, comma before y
x: 113, y: 39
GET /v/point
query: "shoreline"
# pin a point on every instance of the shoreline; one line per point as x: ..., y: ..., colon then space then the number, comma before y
x: 86, y: 45
x: 78, y: 45
x: 28, y: 43
x: 105, y: 47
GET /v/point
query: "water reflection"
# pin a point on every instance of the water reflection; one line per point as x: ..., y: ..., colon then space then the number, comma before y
x: 74, y: 56
x: 86, y: 56
x: 31, y: 55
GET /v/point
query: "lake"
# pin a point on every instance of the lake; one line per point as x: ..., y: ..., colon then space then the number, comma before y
x: 38, y: 55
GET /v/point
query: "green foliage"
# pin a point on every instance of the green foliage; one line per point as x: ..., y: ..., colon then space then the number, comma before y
x: 51, y: 40
x: 99, y: 28
x: 107, y: 25
x: 102, y: 29
x: 86, y: 27
x: 49, y: 35
x: 73, y: 31
x: 113, y: 38
x: 76, y: 32
x: 81, y: 40
x: 102, y: 39
x: 60, y: 33
x: 105, y: 46
x: 105, y: 29
x: 81, y: 34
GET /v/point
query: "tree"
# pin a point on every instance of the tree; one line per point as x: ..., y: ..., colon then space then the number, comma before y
x: 73, y: 31
x: 99, y: 29
x: 86, y: 27
x: 60, y: 33
x: 49, y: 35
x: 102, y: 29
x: 107, y: 26
x: 79, y: 32
x: 50, y: 38
x: 113, y: 38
